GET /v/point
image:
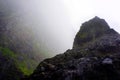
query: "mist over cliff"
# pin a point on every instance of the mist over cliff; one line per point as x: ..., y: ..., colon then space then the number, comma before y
x: 44, y: 23
x: 95, y: 56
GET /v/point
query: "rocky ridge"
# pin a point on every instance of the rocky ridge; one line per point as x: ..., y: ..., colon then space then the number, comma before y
x: 95, y: 56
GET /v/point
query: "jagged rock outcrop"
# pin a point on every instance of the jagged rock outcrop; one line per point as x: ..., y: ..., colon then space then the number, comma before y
x: 89, y: 31
x: 95, y: 56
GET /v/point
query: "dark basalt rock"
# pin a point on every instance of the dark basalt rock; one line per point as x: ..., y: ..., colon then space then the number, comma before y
x: 95, y: 56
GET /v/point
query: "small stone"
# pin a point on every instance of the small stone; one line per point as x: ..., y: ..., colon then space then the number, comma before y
x: 42, y: 69
x: 107, y: 61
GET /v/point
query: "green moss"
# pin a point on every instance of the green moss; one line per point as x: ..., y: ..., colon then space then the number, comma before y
x: 83, y: 35
x: 7, y: 52
x: 26, y: 66
x: 23, y: 67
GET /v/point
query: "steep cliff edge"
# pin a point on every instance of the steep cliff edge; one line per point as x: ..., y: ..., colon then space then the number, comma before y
x: 95, y: 56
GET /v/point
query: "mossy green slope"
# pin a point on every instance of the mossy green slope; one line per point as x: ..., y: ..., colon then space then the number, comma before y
x: 19, y: 68
x: 8, y: 67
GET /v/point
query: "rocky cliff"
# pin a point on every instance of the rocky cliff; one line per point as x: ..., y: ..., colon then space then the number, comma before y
x: 95, y: 56
x: 17, y: 50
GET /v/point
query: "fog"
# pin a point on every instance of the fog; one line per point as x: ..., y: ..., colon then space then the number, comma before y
x: 55, y: 22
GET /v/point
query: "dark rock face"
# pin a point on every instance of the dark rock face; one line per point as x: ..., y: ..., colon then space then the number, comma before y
x: 89, y: 31
x: 95, y: 56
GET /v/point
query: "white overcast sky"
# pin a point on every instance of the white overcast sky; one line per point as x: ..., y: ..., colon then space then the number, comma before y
x: 57, y: 21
